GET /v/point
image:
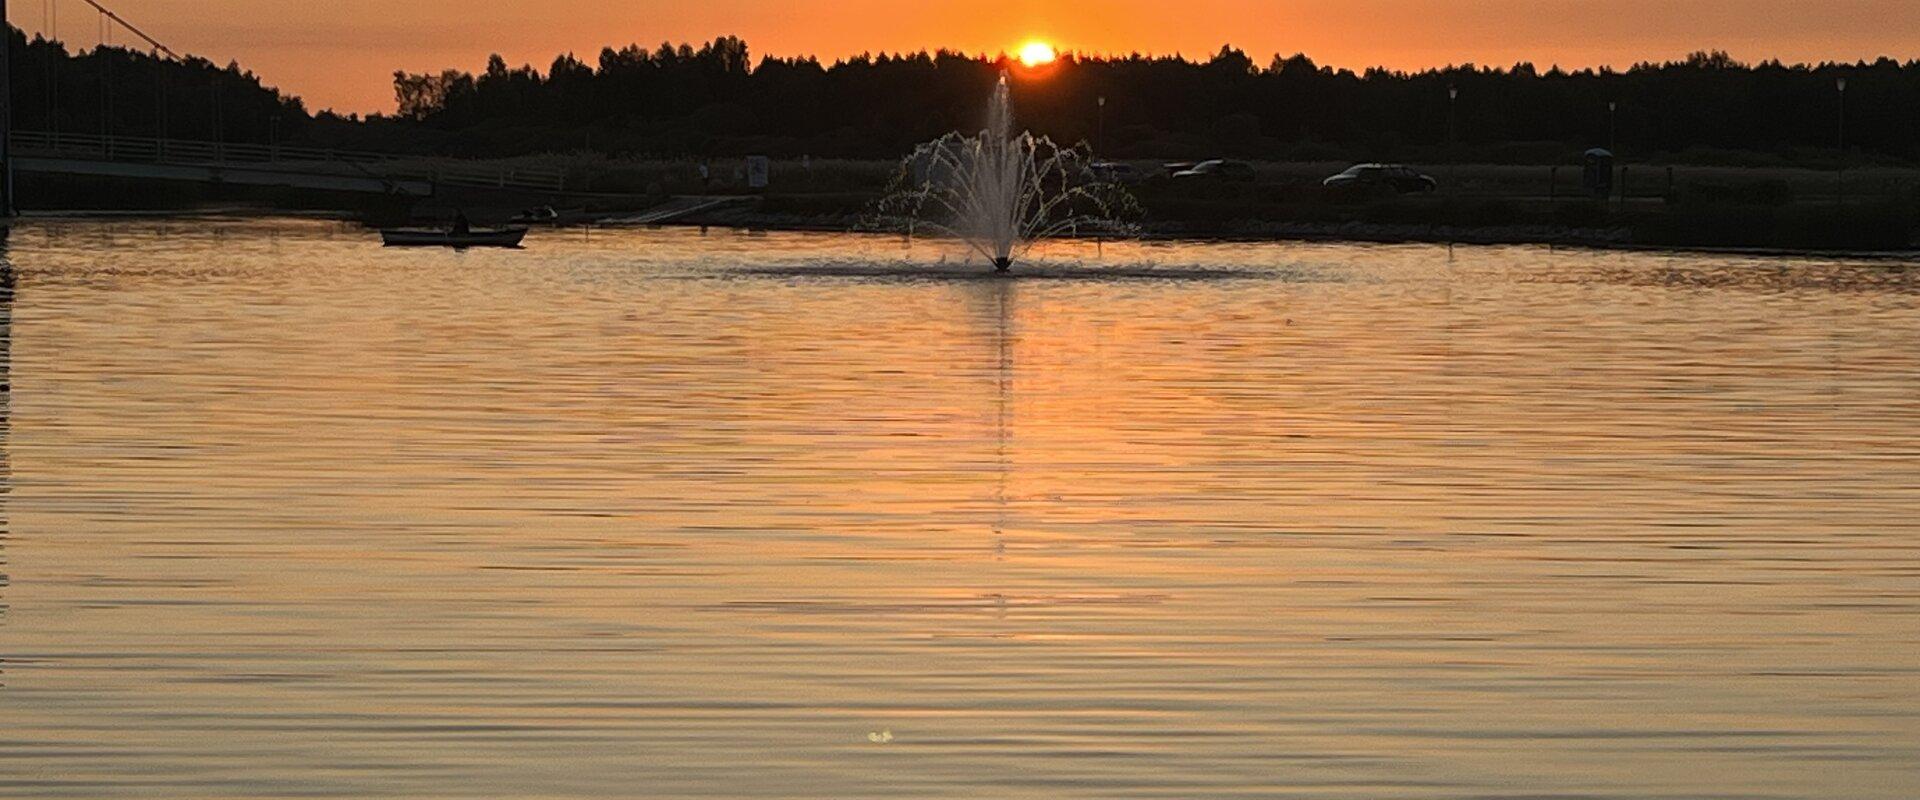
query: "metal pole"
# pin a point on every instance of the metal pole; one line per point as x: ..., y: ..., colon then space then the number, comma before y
x: 1613, y: 128
x: 6, y: 114
x: 213, y: 96
x: 1842, y: 84
x: 131, y: 29
x: 1100, y: 128
x: 47, y: 50
x: 1453, y: 146
x: 159, y: 99
x: 105, y: 54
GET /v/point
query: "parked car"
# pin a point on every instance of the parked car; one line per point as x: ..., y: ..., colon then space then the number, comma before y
x: 1115, y: 172
x: 1381, y: 178
x: 538, y: 215
x: 1217, y: 170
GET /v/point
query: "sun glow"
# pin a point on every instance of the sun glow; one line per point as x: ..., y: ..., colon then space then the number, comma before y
x: 1037, y: 54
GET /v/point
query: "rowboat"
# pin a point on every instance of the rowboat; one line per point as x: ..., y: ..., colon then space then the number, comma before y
x: 478, y: 237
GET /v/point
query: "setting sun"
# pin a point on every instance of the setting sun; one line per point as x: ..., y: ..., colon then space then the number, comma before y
x: 1036, y: 53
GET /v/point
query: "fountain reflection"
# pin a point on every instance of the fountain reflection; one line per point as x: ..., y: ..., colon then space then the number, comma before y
x: 994, y: 301
x: 1000, y: 294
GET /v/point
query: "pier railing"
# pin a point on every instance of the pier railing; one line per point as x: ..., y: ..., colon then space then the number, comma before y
x: 187, y: 152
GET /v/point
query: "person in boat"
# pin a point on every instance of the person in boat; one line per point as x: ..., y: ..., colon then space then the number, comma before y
x: 461, y: 226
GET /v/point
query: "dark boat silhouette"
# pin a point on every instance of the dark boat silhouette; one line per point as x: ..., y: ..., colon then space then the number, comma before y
x: 427, y: 237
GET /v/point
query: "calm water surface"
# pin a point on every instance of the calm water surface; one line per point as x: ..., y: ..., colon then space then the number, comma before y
x: 665, y: 514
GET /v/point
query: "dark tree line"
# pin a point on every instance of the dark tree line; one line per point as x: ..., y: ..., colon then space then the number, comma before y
x: 714, y: 99
x: 679, y: 100
x: 132, y: 93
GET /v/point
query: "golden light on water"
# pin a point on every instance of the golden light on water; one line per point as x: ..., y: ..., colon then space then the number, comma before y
x: 541, y: 520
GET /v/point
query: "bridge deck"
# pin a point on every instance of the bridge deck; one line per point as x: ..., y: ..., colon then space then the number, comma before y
x: 274, y: 165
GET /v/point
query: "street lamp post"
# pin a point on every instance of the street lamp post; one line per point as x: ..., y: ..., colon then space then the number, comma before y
x: 1453, y: 99
x: 1100, y: 126
x: 1613, y: 128
x: 1841, y: 84
x: 1453, y: 137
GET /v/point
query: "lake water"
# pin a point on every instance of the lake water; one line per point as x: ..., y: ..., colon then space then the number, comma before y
x: 673, y: 514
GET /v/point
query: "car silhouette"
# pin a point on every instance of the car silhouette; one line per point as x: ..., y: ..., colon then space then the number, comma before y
x: 1217, y: 170
x: 1115, y: 172
x: 1381, y: 178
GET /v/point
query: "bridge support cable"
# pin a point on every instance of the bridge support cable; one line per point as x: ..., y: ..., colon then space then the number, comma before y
x: 105, y: 52
x: 6, y: 115
x: 50, y: 22
x: 131, y: 28
x: 108, y: 20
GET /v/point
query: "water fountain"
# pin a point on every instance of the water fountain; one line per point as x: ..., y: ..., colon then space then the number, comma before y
x: 999, y: 192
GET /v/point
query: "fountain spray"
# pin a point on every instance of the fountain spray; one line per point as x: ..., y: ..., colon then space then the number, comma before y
x: 998, y: 191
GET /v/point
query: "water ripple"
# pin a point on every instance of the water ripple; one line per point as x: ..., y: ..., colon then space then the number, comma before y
x: 685, y: 513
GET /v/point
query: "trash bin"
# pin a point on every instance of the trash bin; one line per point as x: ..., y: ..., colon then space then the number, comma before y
x: 1598, y: 178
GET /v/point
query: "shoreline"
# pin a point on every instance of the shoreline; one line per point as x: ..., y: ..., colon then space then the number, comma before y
x: 1600, y: 239
x: 1608, y: 239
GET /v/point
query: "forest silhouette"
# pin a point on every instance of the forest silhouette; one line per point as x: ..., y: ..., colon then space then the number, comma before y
x: 715, y: 99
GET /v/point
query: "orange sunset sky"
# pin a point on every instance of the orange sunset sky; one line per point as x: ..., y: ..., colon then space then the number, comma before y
x: 342, y: 53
